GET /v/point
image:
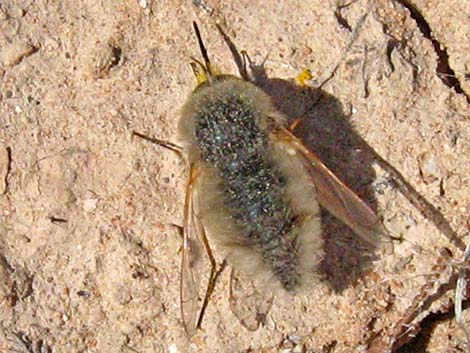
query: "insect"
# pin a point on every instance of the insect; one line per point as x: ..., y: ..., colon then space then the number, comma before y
x: 255, y: 190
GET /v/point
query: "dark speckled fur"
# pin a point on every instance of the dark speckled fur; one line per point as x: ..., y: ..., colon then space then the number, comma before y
x: 253, y: 189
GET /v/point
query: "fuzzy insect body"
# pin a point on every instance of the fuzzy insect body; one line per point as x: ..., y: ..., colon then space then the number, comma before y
x: 249, y: 197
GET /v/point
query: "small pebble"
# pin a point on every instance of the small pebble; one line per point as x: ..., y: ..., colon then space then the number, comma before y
x: 89, y: 205
x: 429, y: 167
x: 173, y: 348
x: 11, y: 54
x: 16, y: 11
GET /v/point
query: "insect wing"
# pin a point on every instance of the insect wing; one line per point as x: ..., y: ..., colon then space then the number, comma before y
x: 336, y: 197
x: 248, y: 304
x: 191, y: 259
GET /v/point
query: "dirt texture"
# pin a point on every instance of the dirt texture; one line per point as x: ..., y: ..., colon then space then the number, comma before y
x: 89, y: 250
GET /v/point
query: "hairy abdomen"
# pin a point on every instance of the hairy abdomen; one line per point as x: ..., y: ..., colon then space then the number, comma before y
x: 245, y: 190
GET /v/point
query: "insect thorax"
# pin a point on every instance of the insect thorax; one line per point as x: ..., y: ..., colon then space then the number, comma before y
x: 230, y: 140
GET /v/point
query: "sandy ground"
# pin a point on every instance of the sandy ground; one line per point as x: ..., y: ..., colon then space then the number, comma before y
x: 89, y: 254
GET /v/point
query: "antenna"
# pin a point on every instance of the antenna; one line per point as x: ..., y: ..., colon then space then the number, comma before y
x: 203, y: 49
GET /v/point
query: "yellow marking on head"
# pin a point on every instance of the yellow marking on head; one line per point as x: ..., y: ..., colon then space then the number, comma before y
x: 199, y: 72
x: 203, y: 73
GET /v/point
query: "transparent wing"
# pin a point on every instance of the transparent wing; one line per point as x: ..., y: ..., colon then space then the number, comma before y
x: 191, y: 260
x: 336, y: 197
x: 194, y: 263
x: 249, y: 305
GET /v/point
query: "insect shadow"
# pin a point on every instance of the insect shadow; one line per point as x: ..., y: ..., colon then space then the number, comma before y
x: 325, y: 129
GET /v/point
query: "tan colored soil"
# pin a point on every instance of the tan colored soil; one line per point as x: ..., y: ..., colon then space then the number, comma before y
x: 89, y: 254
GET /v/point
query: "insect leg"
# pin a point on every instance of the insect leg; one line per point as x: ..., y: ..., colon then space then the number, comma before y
x: 212, y: 278
x: 294, y: 124
x: 169, y: 145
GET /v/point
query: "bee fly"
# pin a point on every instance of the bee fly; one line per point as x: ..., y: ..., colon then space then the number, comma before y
x: 255, y: 189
